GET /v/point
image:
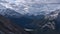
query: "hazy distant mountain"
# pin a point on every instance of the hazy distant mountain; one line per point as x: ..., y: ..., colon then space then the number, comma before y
x: 10, y: 13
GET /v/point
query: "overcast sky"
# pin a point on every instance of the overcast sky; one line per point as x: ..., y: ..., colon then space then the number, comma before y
x: 48, y: 7
x: 41, y: 1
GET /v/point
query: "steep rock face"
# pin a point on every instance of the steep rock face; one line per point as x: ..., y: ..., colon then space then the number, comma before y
x: 49, y: 24
x: 7, y: 27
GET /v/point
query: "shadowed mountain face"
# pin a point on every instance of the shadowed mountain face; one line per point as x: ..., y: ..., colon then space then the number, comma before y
x: 7, y: 27
x: 58, y: 22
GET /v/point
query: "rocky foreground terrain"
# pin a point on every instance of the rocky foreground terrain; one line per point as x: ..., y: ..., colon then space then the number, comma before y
x: 7, y: 27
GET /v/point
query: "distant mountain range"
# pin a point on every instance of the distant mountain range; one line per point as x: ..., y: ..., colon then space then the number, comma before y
x: 26, y: 20
x: 32, y: 14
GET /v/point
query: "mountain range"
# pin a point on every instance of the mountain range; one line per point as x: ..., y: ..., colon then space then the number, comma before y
x: 43, y: 17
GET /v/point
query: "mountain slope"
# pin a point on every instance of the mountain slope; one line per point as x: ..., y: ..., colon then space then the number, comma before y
x: 7, y: 27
